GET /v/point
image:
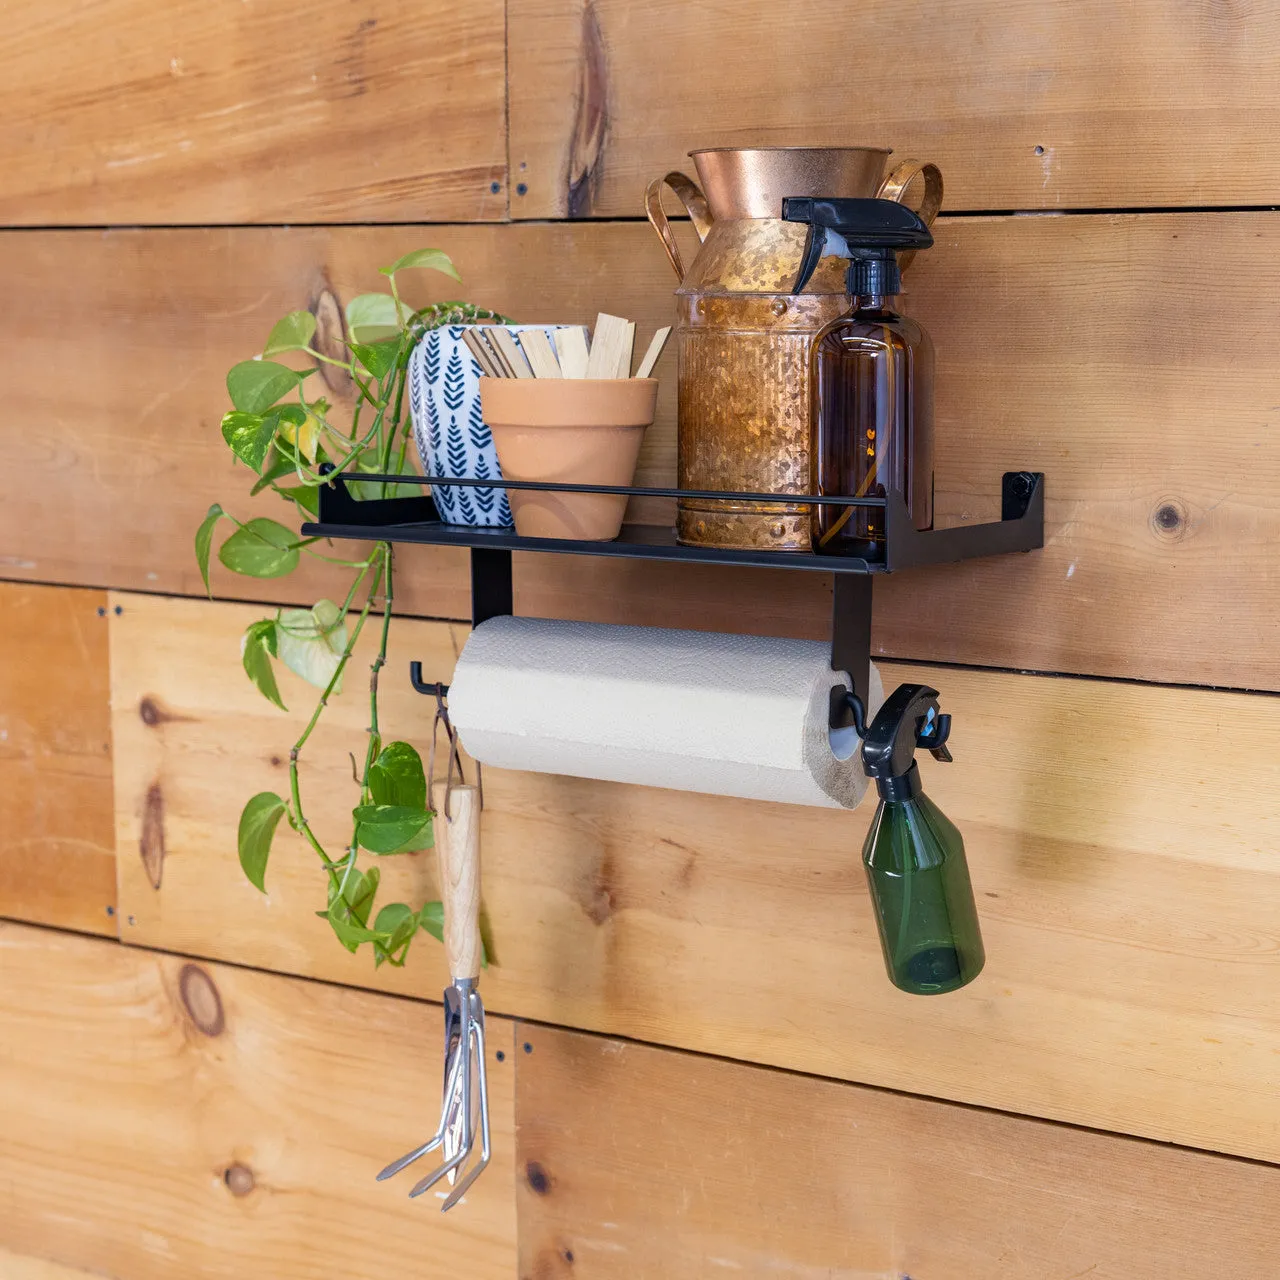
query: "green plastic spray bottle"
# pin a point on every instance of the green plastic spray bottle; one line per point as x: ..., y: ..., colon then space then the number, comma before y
x: 914, y: 855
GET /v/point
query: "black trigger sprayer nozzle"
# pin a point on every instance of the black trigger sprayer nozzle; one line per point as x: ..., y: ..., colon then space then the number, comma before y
x: 874, y: 231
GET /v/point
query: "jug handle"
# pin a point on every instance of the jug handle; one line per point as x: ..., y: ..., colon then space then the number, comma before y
x: 894, y: 187
x: 695, y: 204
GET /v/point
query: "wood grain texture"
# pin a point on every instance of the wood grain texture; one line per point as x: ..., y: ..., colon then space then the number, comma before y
x: 1122, y: 842
x: 1024, y: 105
x: 302, y: 111
x: 133, y: 439
x: 179, y: 1119
x: 638, y: 1162
x: 1102, y: 350
x: 57, y: 848
x: 15, y: 1266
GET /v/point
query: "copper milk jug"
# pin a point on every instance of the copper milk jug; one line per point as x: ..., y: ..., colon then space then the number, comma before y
x: 743, y: 340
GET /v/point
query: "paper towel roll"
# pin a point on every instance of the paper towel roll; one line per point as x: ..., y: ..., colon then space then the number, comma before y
x: 695, y: 711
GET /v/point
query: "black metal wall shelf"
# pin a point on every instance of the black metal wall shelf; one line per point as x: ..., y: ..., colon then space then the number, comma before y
x: 416, y: 519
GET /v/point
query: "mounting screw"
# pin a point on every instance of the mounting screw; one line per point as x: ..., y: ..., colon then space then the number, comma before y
x: 522, y: 188
x: 119, y: 610
x: 102, y: 613
x: 501, y: 1057
x: 528, y: 1048
x: 495, y: 187
x: 132, y: 920
x: 111, y: 911
x: 1039, y: 151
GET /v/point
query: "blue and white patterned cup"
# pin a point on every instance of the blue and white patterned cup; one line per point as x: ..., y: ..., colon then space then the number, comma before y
x: 451, y: 435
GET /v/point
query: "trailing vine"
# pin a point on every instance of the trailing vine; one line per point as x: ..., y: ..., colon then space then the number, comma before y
x: 285, y: 439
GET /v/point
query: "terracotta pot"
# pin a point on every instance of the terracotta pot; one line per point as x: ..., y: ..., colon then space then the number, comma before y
x: 576, y: 430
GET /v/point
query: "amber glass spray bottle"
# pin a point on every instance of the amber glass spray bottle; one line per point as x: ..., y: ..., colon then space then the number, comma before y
x: 871, y: 375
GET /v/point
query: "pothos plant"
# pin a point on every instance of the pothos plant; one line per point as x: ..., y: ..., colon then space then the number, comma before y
x: 285, y: 438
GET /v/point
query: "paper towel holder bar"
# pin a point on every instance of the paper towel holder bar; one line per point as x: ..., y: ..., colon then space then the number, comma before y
x: 1020, y: 528
x: 850, y: 652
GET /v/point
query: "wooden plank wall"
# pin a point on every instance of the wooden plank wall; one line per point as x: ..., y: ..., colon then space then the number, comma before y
x: 1066, y: 344
x: 1101, y: 1103
x: 57, y: 850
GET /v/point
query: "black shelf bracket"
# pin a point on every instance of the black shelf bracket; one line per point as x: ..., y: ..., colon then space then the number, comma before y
x: 417, y: 520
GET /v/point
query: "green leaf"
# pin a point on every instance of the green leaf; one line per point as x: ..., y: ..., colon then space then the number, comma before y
x: 293, y: 333
x: 348, y: 912
x: 362, y: 888
x: 306, y: 498
x: 350, y: 934
x: 433, y: 259
x: 257, y: 648
x: 310, y: 642
x: 372, y: 316
x: 261, y: 549
x: 255, y: 385
x: 280, y: 467
x: 397, y: 777
x: 378, y: 357
x: 390, y: 828
x: 257, y: 826
x: 397, y: 780
x: 204, y: 543
x: 250, y: 436
x: 300, y: 428
x: 398, y: 922
x: 431, y: 920
x: 487, y: 954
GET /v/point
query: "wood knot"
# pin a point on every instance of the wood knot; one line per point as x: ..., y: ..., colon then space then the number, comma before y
x: 328, y: 341
x: 1170, y: 521
x: 599, y: 906
x: 151, y: 839
x: 590, y: 120
x: 239, y: 1179
x: 201, y: 1000
x: 152, y: 713
x: 596, y: 891
x: 537, y: 1177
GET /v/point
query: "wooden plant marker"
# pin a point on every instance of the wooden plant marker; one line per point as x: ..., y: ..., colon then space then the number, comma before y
x: 654, y: 351
x: 571, y: 345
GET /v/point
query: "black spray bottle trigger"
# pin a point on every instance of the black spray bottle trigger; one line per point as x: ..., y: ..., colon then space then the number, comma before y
x: 908, y: 718
x: 873, y: 230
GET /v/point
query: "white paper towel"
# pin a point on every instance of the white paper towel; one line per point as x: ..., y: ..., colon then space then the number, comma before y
x: 695, y: 711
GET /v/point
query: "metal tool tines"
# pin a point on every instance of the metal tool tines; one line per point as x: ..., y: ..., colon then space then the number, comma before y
x: 465, y: 1108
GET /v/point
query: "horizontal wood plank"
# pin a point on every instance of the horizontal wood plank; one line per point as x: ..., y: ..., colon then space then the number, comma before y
x: 57, y: 848
x: 301, y: 111
x: 638, y: 1162
x: 1024, y: 105
x: 1102, y: 350
x: 1121, y: 840
x: 179, y: 1119
x: 15, y: 1266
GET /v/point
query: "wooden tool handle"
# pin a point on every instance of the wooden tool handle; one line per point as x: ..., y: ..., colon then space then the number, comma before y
x: 458, y: 857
